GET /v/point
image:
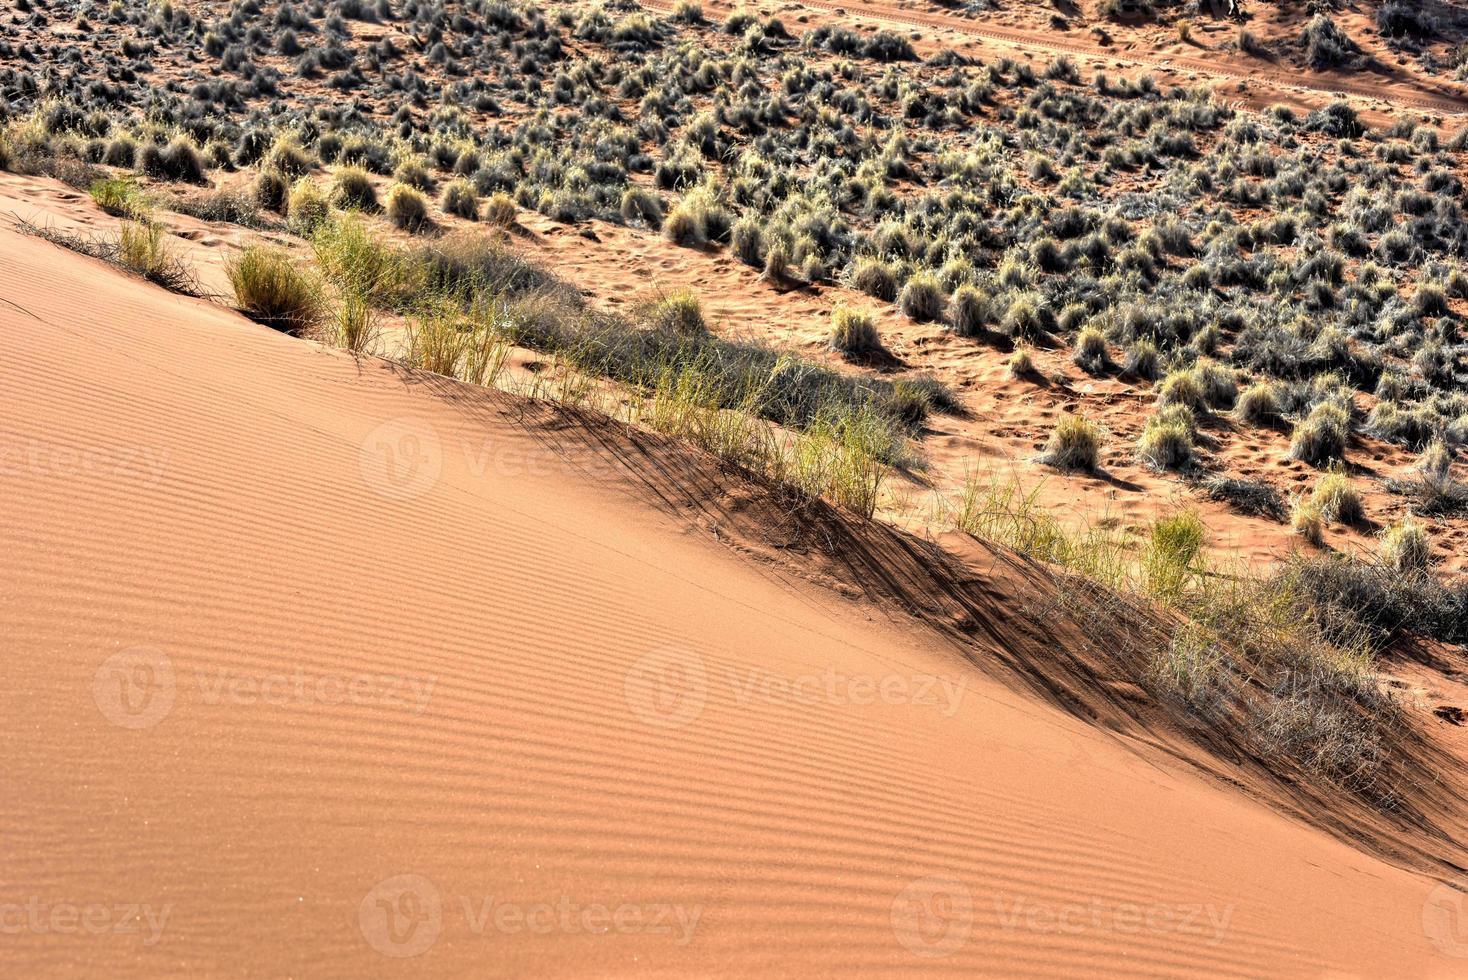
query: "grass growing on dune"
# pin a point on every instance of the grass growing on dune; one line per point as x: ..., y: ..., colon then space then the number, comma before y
x: 271, y: 289
x: 1262, y: 648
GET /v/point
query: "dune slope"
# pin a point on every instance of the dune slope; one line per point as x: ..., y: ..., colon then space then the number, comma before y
x: 318, y: 668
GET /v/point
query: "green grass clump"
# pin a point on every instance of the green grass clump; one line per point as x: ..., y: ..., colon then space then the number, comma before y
x: 1167, y: 442
x: 270, y: 289
x: 407, y: 208
x: 1321, y: 436
x: 1337, y: 499
x: 854, y: 332
x: 922, y: 297
x: 460, y: 200
x: 1074, y: 444
x: 1172, y: 561
x: 118, y: 196
x: 1404, y: 546
x: 680, y: 311
x: 352, y: 190
x: 306, y: 208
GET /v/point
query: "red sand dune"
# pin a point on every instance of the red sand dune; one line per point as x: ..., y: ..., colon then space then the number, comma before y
x: 315, y: 667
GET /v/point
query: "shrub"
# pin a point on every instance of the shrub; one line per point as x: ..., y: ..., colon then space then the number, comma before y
x: 747, y: 241
x: 179, y: 161
x: 271, y: 191
x: 460, y: 200
x: 777, y: 263
x: 500, y: 210
x: 1253, y: 497
x: 352, y: 190
x: 968, y: 311
x: 1436, y: 459
x: 1404, y: 547
x: 874, y: 277
x: 1167, y: 440
x: 117, y: 196
x: 640, y: 205
x: 407, y: 208
x: 143, y: 248
x: 922, y: 297
x: 1182, y: 388
x: 270, y: 289
x: 288, y: 159
x: 413, y: 173
x: 854, y: 332
x: 1259, y: 404
x: 1143, y: 360
x: 1217, y: 383
x: 1337, y: 500
x: 1027, y: 316
x: 1020, y: 362
x: 683, y: 227
x: 1075, y: 444
x: 1321, y: 436
x: 680, y: 311
x: 307, y: 208
x: 1307, y: 521
x: 1090, y: 351
x: 121, y: 152
x: 1326, y: 45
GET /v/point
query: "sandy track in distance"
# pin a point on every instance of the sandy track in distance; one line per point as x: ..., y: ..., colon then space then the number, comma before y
x: 923, y: 20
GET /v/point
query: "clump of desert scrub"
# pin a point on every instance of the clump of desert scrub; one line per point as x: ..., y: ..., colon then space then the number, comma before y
x: 1075, y: 444
x: 306, y: 208
x: 1143, y: 360
x: 180, y: 160
x: 1090, y: 351
x: 1404, y: 546
x: 968, y: 310
x: 1307, y: 520
x: 874, y: 277
x: 271, y: 191
x: 407, y: 208
x: 922, y: 297
x: 413, y: 173
x: 1321, y: 436
x: 460, y: 200
x: 1337, y: 499
x: 680, y: 311
x: 683, y: 227
x: 1259, y: 403
x: 288, y: 159
x: 1167, y: 441
x: 1021, y: 363
x: 854, y: 332
x: 352, y: 190
x: 1184, y: 388
x: 500, y: 210
x: 270, y: 289
x: 642, y: 206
